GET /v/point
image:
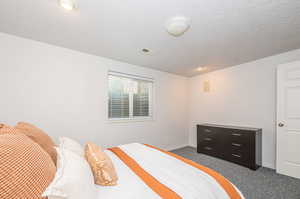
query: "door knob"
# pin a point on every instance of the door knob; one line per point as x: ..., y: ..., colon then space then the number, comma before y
x: 280, y: 124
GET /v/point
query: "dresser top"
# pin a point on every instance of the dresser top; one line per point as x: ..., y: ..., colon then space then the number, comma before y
x: 232, y: 127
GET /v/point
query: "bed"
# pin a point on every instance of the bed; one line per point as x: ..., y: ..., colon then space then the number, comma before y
x: 142, y: 171
x: 151, y: 173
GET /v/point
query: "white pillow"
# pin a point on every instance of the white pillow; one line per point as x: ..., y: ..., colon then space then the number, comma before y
x: 73, y: 178
x: 72, y: 145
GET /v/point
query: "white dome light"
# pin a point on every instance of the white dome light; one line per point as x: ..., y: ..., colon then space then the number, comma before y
x: 67, y: 4
x: 177, y: 26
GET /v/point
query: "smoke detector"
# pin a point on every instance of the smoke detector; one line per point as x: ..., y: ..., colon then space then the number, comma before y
x: 177, y: 26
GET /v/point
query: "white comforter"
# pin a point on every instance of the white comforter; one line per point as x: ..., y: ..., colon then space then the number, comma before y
x: 187, y: 181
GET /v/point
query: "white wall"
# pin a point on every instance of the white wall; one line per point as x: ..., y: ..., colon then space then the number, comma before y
x: 241, y: 95
x: 65, y: 93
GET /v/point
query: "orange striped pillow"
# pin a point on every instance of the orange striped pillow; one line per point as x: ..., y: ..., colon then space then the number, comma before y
x: 26, y: 169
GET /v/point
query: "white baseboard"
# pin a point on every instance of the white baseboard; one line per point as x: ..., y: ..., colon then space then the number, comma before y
x: 268, y: 165
x: 177, y: 147
x: 193, y: 145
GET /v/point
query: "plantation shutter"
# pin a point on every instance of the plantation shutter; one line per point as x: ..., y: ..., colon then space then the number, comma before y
x: 118, y: 103
x: 141, y: 99
x: 129, y: 96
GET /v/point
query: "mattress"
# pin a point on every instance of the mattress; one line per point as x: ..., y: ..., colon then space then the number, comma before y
x: 146, y: 172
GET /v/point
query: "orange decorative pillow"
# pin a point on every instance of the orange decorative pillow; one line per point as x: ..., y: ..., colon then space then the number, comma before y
x: 39, y: 137
x: 26, y: 169
x: 101, y: 165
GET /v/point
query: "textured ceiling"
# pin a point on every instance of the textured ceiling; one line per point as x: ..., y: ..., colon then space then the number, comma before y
x: 223, y: 32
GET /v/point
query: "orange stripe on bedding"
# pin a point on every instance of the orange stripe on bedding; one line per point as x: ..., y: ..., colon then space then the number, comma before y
x: 162, y: 190
x: 227, y: 186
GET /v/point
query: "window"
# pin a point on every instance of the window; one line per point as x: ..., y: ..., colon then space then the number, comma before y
x: 130, y: 97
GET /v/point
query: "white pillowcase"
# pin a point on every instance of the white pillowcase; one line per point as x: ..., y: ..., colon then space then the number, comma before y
x: 72, y: 145
x: 73, y: 178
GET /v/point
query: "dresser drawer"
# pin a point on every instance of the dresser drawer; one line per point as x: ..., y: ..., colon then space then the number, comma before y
x: 239, y: 137
x: 208, y: 148
x: 237, y: 145
x: 237, y: 156
x: 207, y: 139
x: 207, y: 132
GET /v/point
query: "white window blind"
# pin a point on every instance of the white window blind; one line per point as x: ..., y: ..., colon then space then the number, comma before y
x: 129, y: 96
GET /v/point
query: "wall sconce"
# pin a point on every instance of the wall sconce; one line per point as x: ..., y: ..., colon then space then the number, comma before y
x: 206, y: 86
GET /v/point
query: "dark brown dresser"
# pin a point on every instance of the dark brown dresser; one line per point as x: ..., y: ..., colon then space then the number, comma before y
x: 240, y: 145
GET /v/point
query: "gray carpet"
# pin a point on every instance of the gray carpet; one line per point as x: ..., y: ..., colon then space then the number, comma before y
x: 261, y: 184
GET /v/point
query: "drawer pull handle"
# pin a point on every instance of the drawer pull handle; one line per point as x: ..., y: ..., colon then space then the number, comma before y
x: 235, y: 155
x: 236, y: 134
x: 208, y: 148
x: 207, y: 130
x: 236, y: 144
x: 208, y: 139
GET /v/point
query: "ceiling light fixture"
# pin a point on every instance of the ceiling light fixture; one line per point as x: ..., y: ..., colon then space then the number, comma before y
x: 67, y: 4
x: 177, y: 26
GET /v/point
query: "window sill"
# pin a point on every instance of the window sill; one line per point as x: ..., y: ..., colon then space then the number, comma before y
x: 130, y: 120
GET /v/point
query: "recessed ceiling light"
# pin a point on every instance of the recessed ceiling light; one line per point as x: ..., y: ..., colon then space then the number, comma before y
x: 67, y: 4
x: 200, y: 69
x: 145, y: 50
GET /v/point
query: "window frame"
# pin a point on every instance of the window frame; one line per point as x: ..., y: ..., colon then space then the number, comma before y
x: 132, y: 118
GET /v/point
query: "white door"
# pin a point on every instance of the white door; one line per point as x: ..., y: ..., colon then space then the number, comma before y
x: 288, y: 119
